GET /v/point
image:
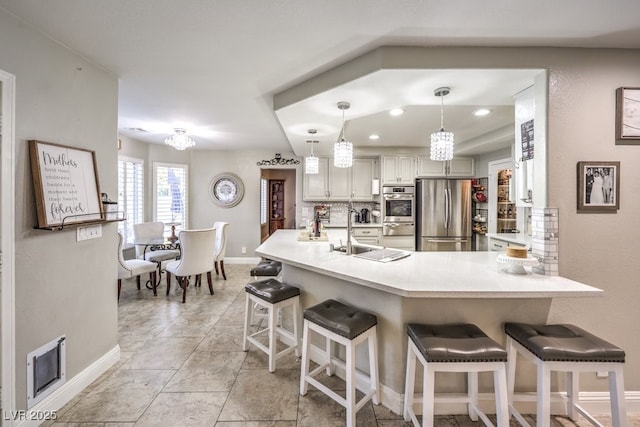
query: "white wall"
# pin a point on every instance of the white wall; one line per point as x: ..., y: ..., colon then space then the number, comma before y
x: 62, y: 286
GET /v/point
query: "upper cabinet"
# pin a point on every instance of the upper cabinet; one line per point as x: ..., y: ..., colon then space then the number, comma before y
x: 398, y: 169
x: 340, y: 184
x: 458, y: 167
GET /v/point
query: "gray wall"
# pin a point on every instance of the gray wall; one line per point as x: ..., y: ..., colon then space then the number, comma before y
x: 72, y: 291
x: 62, y: 286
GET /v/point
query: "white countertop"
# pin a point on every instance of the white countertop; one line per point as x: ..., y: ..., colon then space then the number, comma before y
x: 520, y: 238
x: 423, y: 274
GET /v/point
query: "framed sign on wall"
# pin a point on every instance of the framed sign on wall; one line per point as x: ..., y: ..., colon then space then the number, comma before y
x: 66, y: 186
x: 628, y: 115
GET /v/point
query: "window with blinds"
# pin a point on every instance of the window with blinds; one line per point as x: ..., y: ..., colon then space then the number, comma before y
x: 130, y: 194
x: 170, y: 192
x: 263, y: 201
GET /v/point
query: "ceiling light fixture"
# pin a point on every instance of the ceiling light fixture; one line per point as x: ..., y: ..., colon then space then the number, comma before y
x: 374, y: 137
x: 343, y: 149
x: 396, y: 111
x: 180, y: 140
x: 481, y: 112
x: 442, y: 141
x: 311, y: 163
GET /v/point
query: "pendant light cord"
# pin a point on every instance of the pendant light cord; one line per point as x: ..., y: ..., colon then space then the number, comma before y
x: 441, y: 112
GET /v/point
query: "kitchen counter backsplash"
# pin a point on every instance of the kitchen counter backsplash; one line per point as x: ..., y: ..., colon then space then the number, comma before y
x: 338, y: 212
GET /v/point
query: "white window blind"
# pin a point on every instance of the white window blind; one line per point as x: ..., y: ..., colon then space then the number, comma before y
x: 263, y: 201
x: 130, y: 194
x: 170, y: 191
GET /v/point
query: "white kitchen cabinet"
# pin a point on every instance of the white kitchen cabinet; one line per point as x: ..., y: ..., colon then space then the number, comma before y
x: 398, y: 169
x: 362, y: 176
x: 367, y: 235
x: 316, y: 186
x: 457, y: 167
x: 399, y: 242
x: 499, y: 245
x: 340, y: 184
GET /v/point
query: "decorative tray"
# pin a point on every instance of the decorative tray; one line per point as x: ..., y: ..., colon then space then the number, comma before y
x: 516, y: 265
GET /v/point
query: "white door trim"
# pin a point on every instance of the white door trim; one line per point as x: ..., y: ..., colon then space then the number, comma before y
x: 7, y: 242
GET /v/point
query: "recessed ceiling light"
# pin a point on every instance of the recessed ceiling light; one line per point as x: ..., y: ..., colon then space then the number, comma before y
x: 373, y: 137
x: 482, y: 112
x: 396, y: 111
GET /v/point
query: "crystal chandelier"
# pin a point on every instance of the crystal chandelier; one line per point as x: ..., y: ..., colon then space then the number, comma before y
x: 442, y: 141
x: 180, y: 140
x: 343, y: 149
x: 311, y: 163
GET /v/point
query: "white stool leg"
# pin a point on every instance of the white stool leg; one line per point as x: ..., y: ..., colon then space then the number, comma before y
x: 351, y: 384
x: 428, y: 395
x: 543, y: 407
x: 273, y: 324
x: 296, y: 324
x: 247, y: 316
x: 502, y: 401
x: 304, y: 369
x: 329, y: 346
x: 373, y: 366
x: 512, y: 354
x: 472, y: 392
x: 409, y: 383
x: 616, y: 390
x: 572, y: 394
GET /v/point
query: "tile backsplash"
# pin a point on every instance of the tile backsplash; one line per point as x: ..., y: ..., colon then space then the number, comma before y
x: 338, y: 212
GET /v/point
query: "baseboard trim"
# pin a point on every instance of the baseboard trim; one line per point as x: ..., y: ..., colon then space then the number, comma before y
x: 71, y: 388
x: 242, y: 260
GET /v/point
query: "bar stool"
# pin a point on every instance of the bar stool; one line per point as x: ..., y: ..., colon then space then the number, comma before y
x: 266, y: 268
x: 348, y: 326
x: 570, y: 349
x: 454, y: 348
x: 274, y: 296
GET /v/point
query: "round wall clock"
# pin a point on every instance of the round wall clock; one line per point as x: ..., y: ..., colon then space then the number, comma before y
x: 226, y: 190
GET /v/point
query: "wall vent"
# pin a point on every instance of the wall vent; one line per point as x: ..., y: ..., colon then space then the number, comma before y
x: 45, y: 370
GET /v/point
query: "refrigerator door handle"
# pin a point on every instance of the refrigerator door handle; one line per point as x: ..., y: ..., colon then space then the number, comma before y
x: 447, y: 240
x: 446, y: 208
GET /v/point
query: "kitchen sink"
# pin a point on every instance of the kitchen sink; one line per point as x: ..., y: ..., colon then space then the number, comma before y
x: 355, y: 249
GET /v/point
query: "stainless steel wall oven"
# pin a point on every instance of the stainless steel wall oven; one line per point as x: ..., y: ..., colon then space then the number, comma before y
x: 398, y: 210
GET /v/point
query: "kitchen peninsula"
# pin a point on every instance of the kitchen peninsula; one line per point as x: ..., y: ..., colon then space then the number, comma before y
x: 428, y: 287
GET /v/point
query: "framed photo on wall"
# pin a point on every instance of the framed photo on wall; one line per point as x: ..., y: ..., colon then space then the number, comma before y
x: 628, y: 115
x: 598, y: 187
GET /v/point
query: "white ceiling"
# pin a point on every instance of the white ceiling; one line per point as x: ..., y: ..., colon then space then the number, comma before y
x: 213, y: 67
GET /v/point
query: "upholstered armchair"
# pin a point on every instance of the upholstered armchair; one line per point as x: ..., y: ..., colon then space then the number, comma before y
x: 133, y: 268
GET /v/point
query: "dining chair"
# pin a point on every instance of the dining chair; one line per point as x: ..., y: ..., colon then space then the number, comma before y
x: 196, y: 247
x: 133, y: 268
x: 221, y: 246
x: 148, y: 232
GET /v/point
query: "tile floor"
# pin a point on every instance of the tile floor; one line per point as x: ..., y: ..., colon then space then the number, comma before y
x: 183, y: 365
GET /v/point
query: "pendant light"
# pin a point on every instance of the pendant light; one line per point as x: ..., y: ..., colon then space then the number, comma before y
x: 343, y: 149
x: 311, y: 163
x: 180, y: 140
x: 442, y: 141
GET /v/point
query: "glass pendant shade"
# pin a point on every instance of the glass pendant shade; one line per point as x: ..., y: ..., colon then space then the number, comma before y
x: 343, y: 154
x: 311, y: 165
x: 442, y: 141
x: 442, y: 145
x: 343, y: 149
x: 180, y: 140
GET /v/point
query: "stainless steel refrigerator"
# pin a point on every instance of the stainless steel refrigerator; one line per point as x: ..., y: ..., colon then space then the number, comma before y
x: 443, y: 214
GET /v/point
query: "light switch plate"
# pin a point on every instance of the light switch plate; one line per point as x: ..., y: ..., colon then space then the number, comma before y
x: 89, y: 232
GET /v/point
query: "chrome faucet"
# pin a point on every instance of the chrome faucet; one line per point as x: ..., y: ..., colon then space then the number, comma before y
x: 350, y: 210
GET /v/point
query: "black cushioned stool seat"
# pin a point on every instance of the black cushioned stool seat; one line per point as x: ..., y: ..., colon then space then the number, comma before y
x: 267, y: 268
x: 274, y: 296
x: 459, y: 347
x: 568, y: 348
x: 272, y: 290
x: 346, y: 321
x: 347, y: 326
